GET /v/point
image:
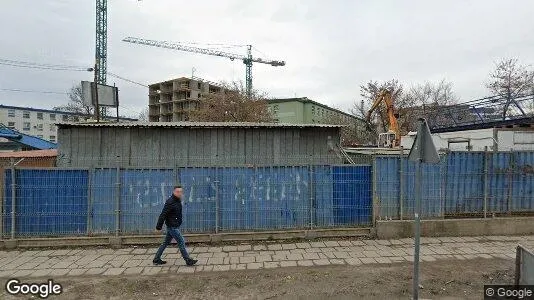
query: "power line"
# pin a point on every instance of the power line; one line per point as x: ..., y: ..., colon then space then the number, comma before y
x: 41, y: 66
x: 32, y: 91
x: 126, y: 79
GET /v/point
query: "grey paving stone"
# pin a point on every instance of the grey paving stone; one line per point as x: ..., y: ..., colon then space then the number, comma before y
x: 289, y: 246
x: 259, y: 247
x: 22, y: 273
x: 337, y: 261
x: 274, y: 247
x: 331, y: 244
x: 383, y: 260
x: 133, y: 271
x: 151, y: 270
x: 244, y: 248
x: 235, y: 254
x: 303, y: 245
x: 368, y: 260
x: 59, y: 272
x: 219, y: 268
x: 247, y: 259
x: 77, y: 272
x: 131, y: 263
x: 215, y: 261
x: 40, y: 273
x: 238, y: 267
x: 264, y: 258
x: 230, y: 248
x: 288, y: 263
x: 95, y: 271
x: 271, y: 264
x: 345, y: 243
x: 321, y: 262
x: 254, y: 266
x: 305, y: 263
x: 317, y: 244
x: 353, y: 261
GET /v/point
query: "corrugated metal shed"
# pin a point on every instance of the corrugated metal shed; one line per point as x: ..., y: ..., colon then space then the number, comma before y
x: 194, y: 144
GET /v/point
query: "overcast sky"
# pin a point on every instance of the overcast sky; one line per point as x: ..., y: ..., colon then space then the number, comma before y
x: 330, y: 47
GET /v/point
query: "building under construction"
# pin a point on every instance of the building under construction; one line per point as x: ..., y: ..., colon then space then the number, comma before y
x: 172, y: 100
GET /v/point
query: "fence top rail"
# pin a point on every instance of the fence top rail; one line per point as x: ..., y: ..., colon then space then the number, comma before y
x: 522, y: 248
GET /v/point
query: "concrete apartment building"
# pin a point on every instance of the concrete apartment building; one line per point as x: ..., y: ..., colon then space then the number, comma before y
x: 172, y: 100
x: 304, y: 111
x: 38, y: 122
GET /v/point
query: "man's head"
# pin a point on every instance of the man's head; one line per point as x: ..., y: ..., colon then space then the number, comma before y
x: 177, y: 191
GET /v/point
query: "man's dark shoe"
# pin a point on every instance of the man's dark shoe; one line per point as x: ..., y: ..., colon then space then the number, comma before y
x: 190, y: 262
x: 159, y: 262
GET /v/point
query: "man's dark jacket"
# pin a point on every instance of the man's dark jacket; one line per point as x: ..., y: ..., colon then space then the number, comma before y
x: 171, y: 213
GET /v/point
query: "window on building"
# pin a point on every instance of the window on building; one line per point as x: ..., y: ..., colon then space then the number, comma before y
x: 39, y: 127
x: 53, y: 138
x: 52, y: 127
x: 52, y: 117
x: 65, y: 118
x: 313, y: 110
x: 11, y: 113
x: 39, y: 116
x: 26, y: 114
x: 200, y: 85
x: 11, y: 125
x: 26, y: 126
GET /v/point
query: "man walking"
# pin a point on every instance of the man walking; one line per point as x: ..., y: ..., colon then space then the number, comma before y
x: 172, y: 216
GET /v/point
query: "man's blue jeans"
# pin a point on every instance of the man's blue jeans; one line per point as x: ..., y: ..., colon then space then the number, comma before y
x: 172, y: 233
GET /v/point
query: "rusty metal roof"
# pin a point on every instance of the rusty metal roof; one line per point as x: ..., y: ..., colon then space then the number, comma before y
x: 197, y: 125
x: 28, y: 154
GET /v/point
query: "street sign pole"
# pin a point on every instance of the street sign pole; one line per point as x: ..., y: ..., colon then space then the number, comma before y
x: 423, y: 151
x: 417, y: 220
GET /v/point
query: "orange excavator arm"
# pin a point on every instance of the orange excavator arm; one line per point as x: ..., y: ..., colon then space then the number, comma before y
x: 386, y: 97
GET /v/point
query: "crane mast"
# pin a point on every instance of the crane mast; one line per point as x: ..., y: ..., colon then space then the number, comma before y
x: 247, y: 59
x: 392, y: 138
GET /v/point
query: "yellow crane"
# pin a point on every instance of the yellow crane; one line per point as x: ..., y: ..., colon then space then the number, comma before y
x: 392, y: 138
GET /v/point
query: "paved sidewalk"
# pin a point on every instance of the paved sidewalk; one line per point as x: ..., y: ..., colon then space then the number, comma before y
x: 135, y: 261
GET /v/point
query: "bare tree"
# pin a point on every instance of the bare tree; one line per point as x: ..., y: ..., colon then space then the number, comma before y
x: 353, y: 130
x: 76, y: 104
x: 143, y: 115
x: 427, y: 100
x: 511, y: 80
x: 231, y: 104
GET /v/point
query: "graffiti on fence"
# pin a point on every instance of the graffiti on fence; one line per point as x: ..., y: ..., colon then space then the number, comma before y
x: 148, y: 195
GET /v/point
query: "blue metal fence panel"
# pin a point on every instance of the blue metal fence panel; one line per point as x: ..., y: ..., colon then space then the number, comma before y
x: 431, y: 189
x: 48, y: 202
x: 322, y: 179
x: 236, y: 201
x: 143, y: 194
x: 200, y: 192
x: 7, y: 203
x: 282, y: 197
x: 352, y: 195
x: 103, y: 201
x: 499, y: 185
x: 388, y: 186
x: 523, y: 182
x: 465, y: 183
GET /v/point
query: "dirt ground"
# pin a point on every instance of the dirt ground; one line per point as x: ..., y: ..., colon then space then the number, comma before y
x: 453, y: 279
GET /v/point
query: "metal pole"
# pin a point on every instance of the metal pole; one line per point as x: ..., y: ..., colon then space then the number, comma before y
x: 401, y: 183
x: 13, y: 198
x: 417, y: 218
x: 117, y: 201
x: 310, y: 170
x: 511, y: 181
x: 486, y: 160
x: 517, y: 278
x: 90, y: 201
x: 97, y: 106
x: 216, y: 201
x: 117, y: 96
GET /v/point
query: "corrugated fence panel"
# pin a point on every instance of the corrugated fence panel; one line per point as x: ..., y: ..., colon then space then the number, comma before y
x: 103, y: 201
x: 464, y: 183
x: 48, y: 202
x: 523, y: 182
x: 352, y: 195
x: 499, y: 185
x: 387, y: 186
x: 143, y: 194
x: 7, y: 203
x: 323, y: 196
x: 200, y: 192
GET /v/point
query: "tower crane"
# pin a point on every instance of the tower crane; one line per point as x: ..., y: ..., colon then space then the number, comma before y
x: 247, y: 59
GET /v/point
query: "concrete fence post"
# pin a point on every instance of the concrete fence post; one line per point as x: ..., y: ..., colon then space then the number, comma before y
x: 13, y: 198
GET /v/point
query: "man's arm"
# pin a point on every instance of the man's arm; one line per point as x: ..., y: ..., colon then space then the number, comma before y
x: 162, y: 216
